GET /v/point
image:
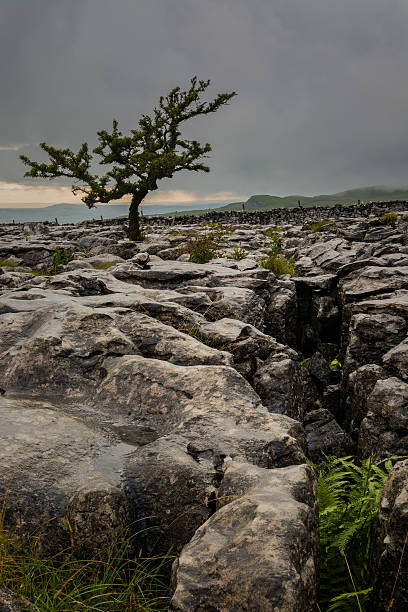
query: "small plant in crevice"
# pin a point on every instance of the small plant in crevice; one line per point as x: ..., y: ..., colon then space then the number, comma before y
x: 204, y: 247
x: 390, y: 218
x: 275, y: 247
x: 278, y: 264
x: 238, y: 254
x: 61, y: 258
x: 349, y: 494
x: 335, y: 362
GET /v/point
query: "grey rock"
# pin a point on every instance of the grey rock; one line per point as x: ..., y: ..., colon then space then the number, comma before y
x: 324, y: 434
x: 385, y: 428
x: 389, y: 565
x: 253, y: 532
x: 9, y: 602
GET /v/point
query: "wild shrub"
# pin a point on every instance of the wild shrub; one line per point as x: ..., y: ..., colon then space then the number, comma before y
x: 349, y: 497
x: 278, y: 264
x: 202, y: 248
x: 319, y: 225
x: 390, y: 218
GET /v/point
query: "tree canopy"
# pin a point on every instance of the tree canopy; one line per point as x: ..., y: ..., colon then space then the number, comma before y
x: 136, y: 162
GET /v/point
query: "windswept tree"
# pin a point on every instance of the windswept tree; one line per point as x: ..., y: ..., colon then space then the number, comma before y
x: 136, y: 162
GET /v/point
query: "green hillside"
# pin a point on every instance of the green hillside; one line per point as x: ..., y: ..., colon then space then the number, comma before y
x: 351, y: 196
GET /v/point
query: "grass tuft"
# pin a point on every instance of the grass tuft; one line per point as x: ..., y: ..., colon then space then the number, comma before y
x: 390, y: 218
x: 116, y: 582
x: 319, y: 225
x: 278, y: 264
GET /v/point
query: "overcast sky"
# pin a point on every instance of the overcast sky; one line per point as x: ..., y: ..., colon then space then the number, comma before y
x: 322, y: 88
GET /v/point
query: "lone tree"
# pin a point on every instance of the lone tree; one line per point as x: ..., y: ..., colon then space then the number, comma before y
x: 154, y: 151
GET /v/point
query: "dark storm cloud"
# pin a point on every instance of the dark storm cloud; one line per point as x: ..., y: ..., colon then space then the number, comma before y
x: 323, y: 87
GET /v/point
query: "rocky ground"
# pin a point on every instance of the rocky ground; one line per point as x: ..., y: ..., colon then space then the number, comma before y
x: 137, y: 386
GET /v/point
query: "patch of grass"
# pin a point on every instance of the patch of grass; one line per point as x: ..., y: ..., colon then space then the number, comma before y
x: 238, y: 254
x: 349, y: 494
x: 115, y: 582
x: 7, y: 263
x: 272, y: 231
x: 36, y: 272
x: 103, y: 266
x: 319, y: 225
x: 278, y: 264
x: 390, y: 218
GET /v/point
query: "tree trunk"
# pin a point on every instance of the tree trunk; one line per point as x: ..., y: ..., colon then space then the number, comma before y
x: 135, y: 232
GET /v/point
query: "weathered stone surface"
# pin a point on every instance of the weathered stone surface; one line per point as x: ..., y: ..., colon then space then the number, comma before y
x: 324, y: 435
x: 263, y: 525
x: 360, y: 384
x: 396, y: 360
x: 385, y: 428
x: 390, y: 567
x: 9, y: 602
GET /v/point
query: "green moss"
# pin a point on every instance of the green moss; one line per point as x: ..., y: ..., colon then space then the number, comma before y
x: 6, y: 263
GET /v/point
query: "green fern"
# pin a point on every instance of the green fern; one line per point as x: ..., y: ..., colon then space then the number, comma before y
x: 349, y: 497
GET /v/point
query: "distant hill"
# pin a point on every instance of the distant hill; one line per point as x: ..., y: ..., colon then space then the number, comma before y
x: 351, y: 196
x: 74, y: 213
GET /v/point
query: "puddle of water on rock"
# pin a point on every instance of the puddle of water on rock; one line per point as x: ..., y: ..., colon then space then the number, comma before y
x: 110, y: 463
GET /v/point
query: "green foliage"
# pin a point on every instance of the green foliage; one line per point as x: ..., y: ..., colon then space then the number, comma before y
x: 114, y: 583
x: 278, y: 264
x: 238, y: 254
x: 61, y: 258
x: 82, y: 253
x: 349, y: 496
x: 7, y: 263
x: 335, y: 362
x: 26, y: 235
x: 155, y: 150
x: 390, y: 218
x: 319, y: 226
x: 203, y: 248
x: 276, y: 245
